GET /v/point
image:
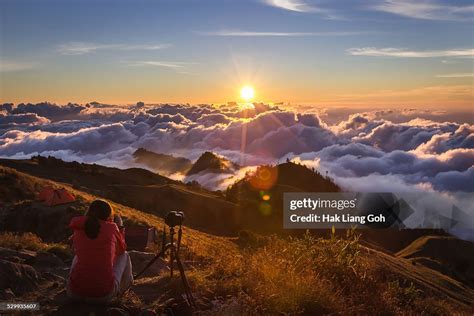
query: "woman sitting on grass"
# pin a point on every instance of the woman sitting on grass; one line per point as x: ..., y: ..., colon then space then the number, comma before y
x: 101, y: 268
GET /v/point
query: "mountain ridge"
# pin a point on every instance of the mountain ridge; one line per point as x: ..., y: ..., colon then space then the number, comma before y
x: 210, y: 162
x: 162, y: 163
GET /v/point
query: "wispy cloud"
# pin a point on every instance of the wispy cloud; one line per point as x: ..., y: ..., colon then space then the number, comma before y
x: 302, y: 6
x: 457, y: 75
x: 145, y: 47
x: 402, y: 53
x: 82, y: 48
x: 428, y: 9
x: 449, y: 61
x: 241, y: 33
x: 293, y: 5
x: 178, y: 66
x: 12, y: 65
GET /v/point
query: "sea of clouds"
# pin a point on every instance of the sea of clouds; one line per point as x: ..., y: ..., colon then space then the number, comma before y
x: 362, y: 150
x: 392, y: 150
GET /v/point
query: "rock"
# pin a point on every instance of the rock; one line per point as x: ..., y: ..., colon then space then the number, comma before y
x: 52, y: 277
x: 7, y: 294
x: 17, y: 256
x: 140, y: 260
x: 19, y: 278
x: 45, y: 259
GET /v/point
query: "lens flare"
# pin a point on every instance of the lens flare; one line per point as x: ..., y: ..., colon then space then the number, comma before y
x: 264, y: 178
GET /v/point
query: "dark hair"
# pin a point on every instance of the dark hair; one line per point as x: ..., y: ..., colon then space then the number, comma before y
x: 98, y: 210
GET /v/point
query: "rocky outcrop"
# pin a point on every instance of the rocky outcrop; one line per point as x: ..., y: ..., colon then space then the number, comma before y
x: 17, y: 279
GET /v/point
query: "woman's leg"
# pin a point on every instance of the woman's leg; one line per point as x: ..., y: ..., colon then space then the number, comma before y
x: 68, y: 289
x: 123, y: 272
x: 92, y: 300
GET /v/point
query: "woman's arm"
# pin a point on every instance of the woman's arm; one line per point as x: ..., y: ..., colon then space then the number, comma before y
x: 120, y: 245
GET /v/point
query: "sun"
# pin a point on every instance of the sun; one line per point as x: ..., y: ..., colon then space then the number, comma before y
x: 247, y: 93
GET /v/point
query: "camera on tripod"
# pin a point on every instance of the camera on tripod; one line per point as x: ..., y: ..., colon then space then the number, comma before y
x: 174, y: 218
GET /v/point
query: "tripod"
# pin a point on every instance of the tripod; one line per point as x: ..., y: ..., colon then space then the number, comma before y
x: 174, y: 256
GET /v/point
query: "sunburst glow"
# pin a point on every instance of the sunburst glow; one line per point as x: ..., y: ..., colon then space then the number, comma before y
x: 247, y: 93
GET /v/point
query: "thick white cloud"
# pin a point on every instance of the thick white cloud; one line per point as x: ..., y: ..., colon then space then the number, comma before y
x: 389, y: 136
x: 463, y: 137
x: 26, y: 118
x: 101, y: 139
x: 423, y: 149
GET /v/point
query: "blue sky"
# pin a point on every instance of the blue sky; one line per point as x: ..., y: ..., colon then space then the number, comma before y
x: 419, y: 53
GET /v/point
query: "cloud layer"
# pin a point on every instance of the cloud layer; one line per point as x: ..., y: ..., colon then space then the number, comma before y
x: 417, y: 148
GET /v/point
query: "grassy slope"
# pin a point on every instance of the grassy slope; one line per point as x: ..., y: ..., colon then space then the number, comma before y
x: 137, y: 188
x: 23, y: 186
x: 272, y: 275
x: 311, y: 276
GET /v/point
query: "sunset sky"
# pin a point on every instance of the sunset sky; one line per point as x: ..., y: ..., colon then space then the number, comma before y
x: 370, y: 53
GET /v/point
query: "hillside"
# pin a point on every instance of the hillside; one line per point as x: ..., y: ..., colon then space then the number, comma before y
x: 210, y: 162
x: 249, y: 275
x: 90, y: 176
x: 162, y: 163
x: 283, y: 177
x: 446, y: 254
x: 204, y: 210
x: 19, y: 205
x: 138, y: 188
x: 242, y: 207
x: 262, y: 191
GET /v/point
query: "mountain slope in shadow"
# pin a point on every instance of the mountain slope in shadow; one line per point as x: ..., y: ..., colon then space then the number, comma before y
x: 162, y: 163
x: 138, y: 188
x: 260, y: 193
x: 446, y: 254
x: 210, y: 162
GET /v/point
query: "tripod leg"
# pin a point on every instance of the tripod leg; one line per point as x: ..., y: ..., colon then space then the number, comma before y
x: 172, y: 252
x: 160, y: 254
x: 180, y: 233
x: 163, y: 238
x: 187, y: 288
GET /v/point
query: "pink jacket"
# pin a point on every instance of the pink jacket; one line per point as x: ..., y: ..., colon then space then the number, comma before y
x: 92, y: 275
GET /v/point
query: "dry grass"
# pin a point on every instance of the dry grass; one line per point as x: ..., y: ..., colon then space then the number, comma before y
x: 308, y: 276
x: 30, y: 241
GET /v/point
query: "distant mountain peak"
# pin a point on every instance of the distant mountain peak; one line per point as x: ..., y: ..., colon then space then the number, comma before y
x: 162, y: 163
x: 211, y: 162
x: 285, y: 177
